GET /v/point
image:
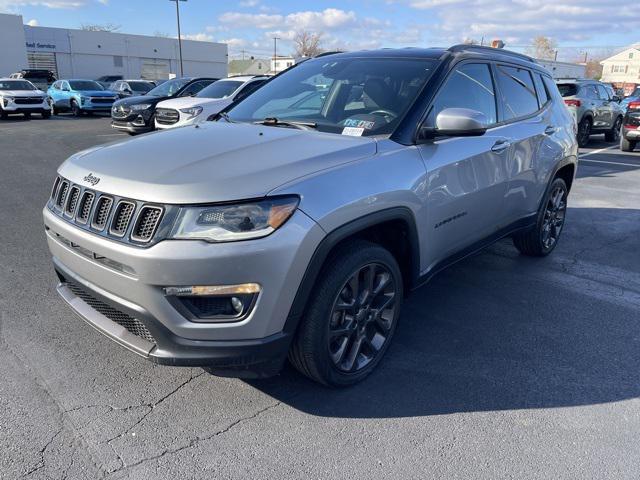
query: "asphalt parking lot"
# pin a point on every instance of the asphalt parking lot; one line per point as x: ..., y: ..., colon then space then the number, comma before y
x: 503, y: 366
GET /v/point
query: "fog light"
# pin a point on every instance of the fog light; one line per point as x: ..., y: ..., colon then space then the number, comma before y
x: 139, y: 121
x: 237, y: 304
x: 242, y: 288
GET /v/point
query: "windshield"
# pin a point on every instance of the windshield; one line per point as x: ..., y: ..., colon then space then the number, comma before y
x: 354, y: 96
x: 169, y: 88
x: 140, y: 86
x: 85, y: 85
x: 15, y: 85
x: 220, y: 89
x: 567, y: 89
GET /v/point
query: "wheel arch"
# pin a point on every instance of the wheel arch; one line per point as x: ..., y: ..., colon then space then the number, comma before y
x: 393, y: 228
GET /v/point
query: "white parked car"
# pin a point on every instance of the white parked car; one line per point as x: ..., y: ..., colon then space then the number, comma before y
x: 20, y: 96
x: 179, y: 112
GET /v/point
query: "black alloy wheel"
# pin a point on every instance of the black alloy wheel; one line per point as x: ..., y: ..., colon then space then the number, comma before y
x: 362, y: 318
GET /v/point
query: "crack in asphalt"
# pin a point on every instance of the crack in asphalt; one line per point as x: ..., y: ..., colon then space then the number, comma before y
x: 41, y: 463
x: 193, y: 442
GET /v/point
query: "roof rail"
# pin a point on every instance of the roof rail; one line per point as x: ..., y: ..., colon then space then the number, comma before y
x: 463, y: 47
x: 324, y: 54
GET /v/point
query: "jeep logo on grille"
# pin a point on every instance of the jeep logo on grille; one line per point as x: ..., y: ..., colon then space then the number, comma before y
x: 91, y: 179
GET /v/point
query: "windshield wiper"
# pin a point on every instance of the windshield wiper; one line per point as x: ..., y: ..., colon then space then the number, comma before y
x: 274, y: 122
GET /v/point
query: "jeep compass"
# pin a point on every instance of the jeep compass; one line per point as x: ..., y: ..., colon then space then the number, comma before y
x: 295, y: 224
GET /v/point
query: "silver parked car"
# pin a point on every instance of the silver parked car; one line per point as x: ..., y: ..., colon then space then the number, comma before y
x: 595, y: 108
x: 295, y: 224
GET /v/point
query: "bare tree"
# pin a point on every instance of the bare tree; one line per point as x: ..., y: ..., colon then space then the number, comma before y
x: 307, y: 44
x: 107, y: 27
x: 543, y: 48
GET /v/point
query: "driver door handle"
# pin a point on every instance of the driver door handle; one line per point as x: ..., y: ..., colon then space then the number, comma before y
x: 500, y: 146
x: 550, y: 130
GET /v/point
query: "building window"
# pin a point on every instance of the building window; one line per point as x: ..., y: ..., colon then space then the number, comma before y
x: 630, y: 54
x: 117, y: 61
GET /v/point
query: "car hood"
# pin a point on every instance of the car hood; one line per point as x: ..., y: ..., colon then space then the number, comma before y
x: 153, y: 100
x: 214, y: 162
x: 187, y: 102
x: 21, y: 93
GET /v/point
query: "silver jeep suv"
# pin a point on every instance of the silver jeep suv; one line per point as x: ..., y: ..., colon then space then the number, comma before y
x: 295, y: 224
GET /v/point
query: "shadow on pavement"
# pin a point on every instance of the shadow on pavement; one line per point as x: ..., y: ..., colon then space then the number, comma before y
x: 500, y: 331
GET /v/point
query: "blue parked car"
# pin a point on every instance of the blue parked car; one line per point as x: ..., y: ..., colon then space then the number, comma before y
x: 634, y: 97
x: 80, y: 96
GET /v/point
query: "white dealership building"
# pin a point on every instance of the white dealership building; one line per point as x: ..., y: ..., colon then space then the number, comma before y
x: 73, y: 53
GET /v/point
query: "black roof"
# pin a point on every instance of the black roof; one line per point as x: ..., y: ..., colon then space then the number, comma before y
x: 436, y: 53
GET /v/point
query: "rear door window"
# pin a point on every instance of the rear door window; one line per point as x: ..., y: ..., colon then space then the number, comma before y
x: 518, y: 94
x: 468, y: 86
x: 602, y: 92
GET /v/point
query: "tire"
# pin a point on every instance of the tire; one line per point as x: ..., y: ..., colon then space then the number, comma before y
x: 3, y: 115
x: 46, y: 114
x: 613, y: 135
x: 627, y: 145
x: 342, y: 337
x: 535, y: 242
x: 584, y: 131
x: 27, y: 115
x: 75, y: 109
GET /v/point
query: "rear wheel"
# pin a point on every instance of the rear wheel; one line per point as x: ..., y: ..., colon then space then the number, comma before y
x: 352, y: 316
x: 584, y: 132
x: 540, y: 240
x: 613, y: 135
x: 627, y: 145
x: 75, y: 109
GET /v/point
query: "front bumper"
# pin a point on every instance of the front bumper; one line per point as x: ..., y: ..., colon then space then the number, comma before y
x: 25, y: 108
x: 125, y: 126
x: 277, y: 262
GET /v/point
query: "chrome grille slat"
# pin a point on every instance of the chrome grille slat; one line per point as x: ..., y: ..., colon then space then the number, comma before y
x: 121, y: 218
x: 72, y: 201
x: 84, y: 209
x: 101, y: 215
x: 146, y: 224
x: 62, y: 194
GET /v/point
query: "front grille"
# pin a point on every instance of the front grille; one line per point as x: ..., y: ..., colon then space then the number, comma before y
x: 62, y: 194
x: 121, y: 219
x: 133, y: 325
x: 146, y: 224
x: 85, y: 206
x: 102, y: 213
x: 167, y: 116
x: 72, y: 202
x: 101, y: 100
x: 28, y: 100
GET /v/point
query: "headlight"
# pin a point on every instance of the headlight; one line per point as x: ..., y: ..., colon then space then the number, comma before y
x: 84, y: 100
x: 192, y: 112
x: 240, y: 221
x: 7, y: 100
x: 140, y: 106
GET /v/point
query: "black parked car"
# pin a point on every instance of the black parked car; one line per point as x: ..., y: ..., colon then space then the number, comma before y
x: 630, y: 135
x: 136, y: 114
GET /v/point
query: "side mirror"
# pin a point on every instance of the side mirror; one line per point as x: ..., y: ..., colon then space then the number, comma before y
x: 461, y: 122
x: 65, y: 89
x: 127, y: 91
x: 616, y: 98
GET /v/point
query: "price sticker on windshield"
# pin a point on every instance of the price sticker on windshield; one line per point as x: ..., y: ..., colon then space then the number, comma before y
x: 353, y: 131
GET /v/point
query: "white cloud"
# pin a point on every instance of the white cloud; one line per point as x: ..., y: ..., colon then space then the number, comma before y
x: 199, y: 37
x: 520, y: 20
x: 13, y: 5
x: 33, y: 22
x: 328, y: 19
x: 249, y: 3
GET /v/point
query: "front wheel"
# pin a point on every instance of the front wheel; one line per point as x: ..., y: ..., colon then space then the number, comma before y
x: 75, y: 109
x: 352, y: 316
x: 540, y: 240
x: 613, y: 135
x: 627, y: 145
x: 46, y: 114
x: 584, y: 132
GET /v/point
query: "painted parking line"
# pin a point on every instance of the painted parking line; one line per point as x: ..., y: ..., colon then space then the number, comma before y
x: 637, y: 165
x: 594, y: 152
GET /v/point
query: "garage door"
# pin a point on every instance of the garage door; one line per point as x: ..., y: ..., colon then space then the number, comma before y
x: 43, y: 61
x: 155, y: 69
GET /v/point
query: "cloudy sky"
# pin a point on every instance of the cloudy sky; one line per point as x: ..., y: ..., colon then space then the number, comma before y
x: 355, y: 24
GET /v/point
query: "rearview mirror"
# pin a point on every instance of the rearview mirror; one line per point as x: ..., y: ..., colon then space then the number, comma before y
x: 461, y: 122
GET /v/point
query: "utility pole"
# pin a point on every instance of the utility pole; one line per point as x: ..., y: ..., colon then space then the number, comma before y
x: 275, y: 52
x: 179, y: 36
